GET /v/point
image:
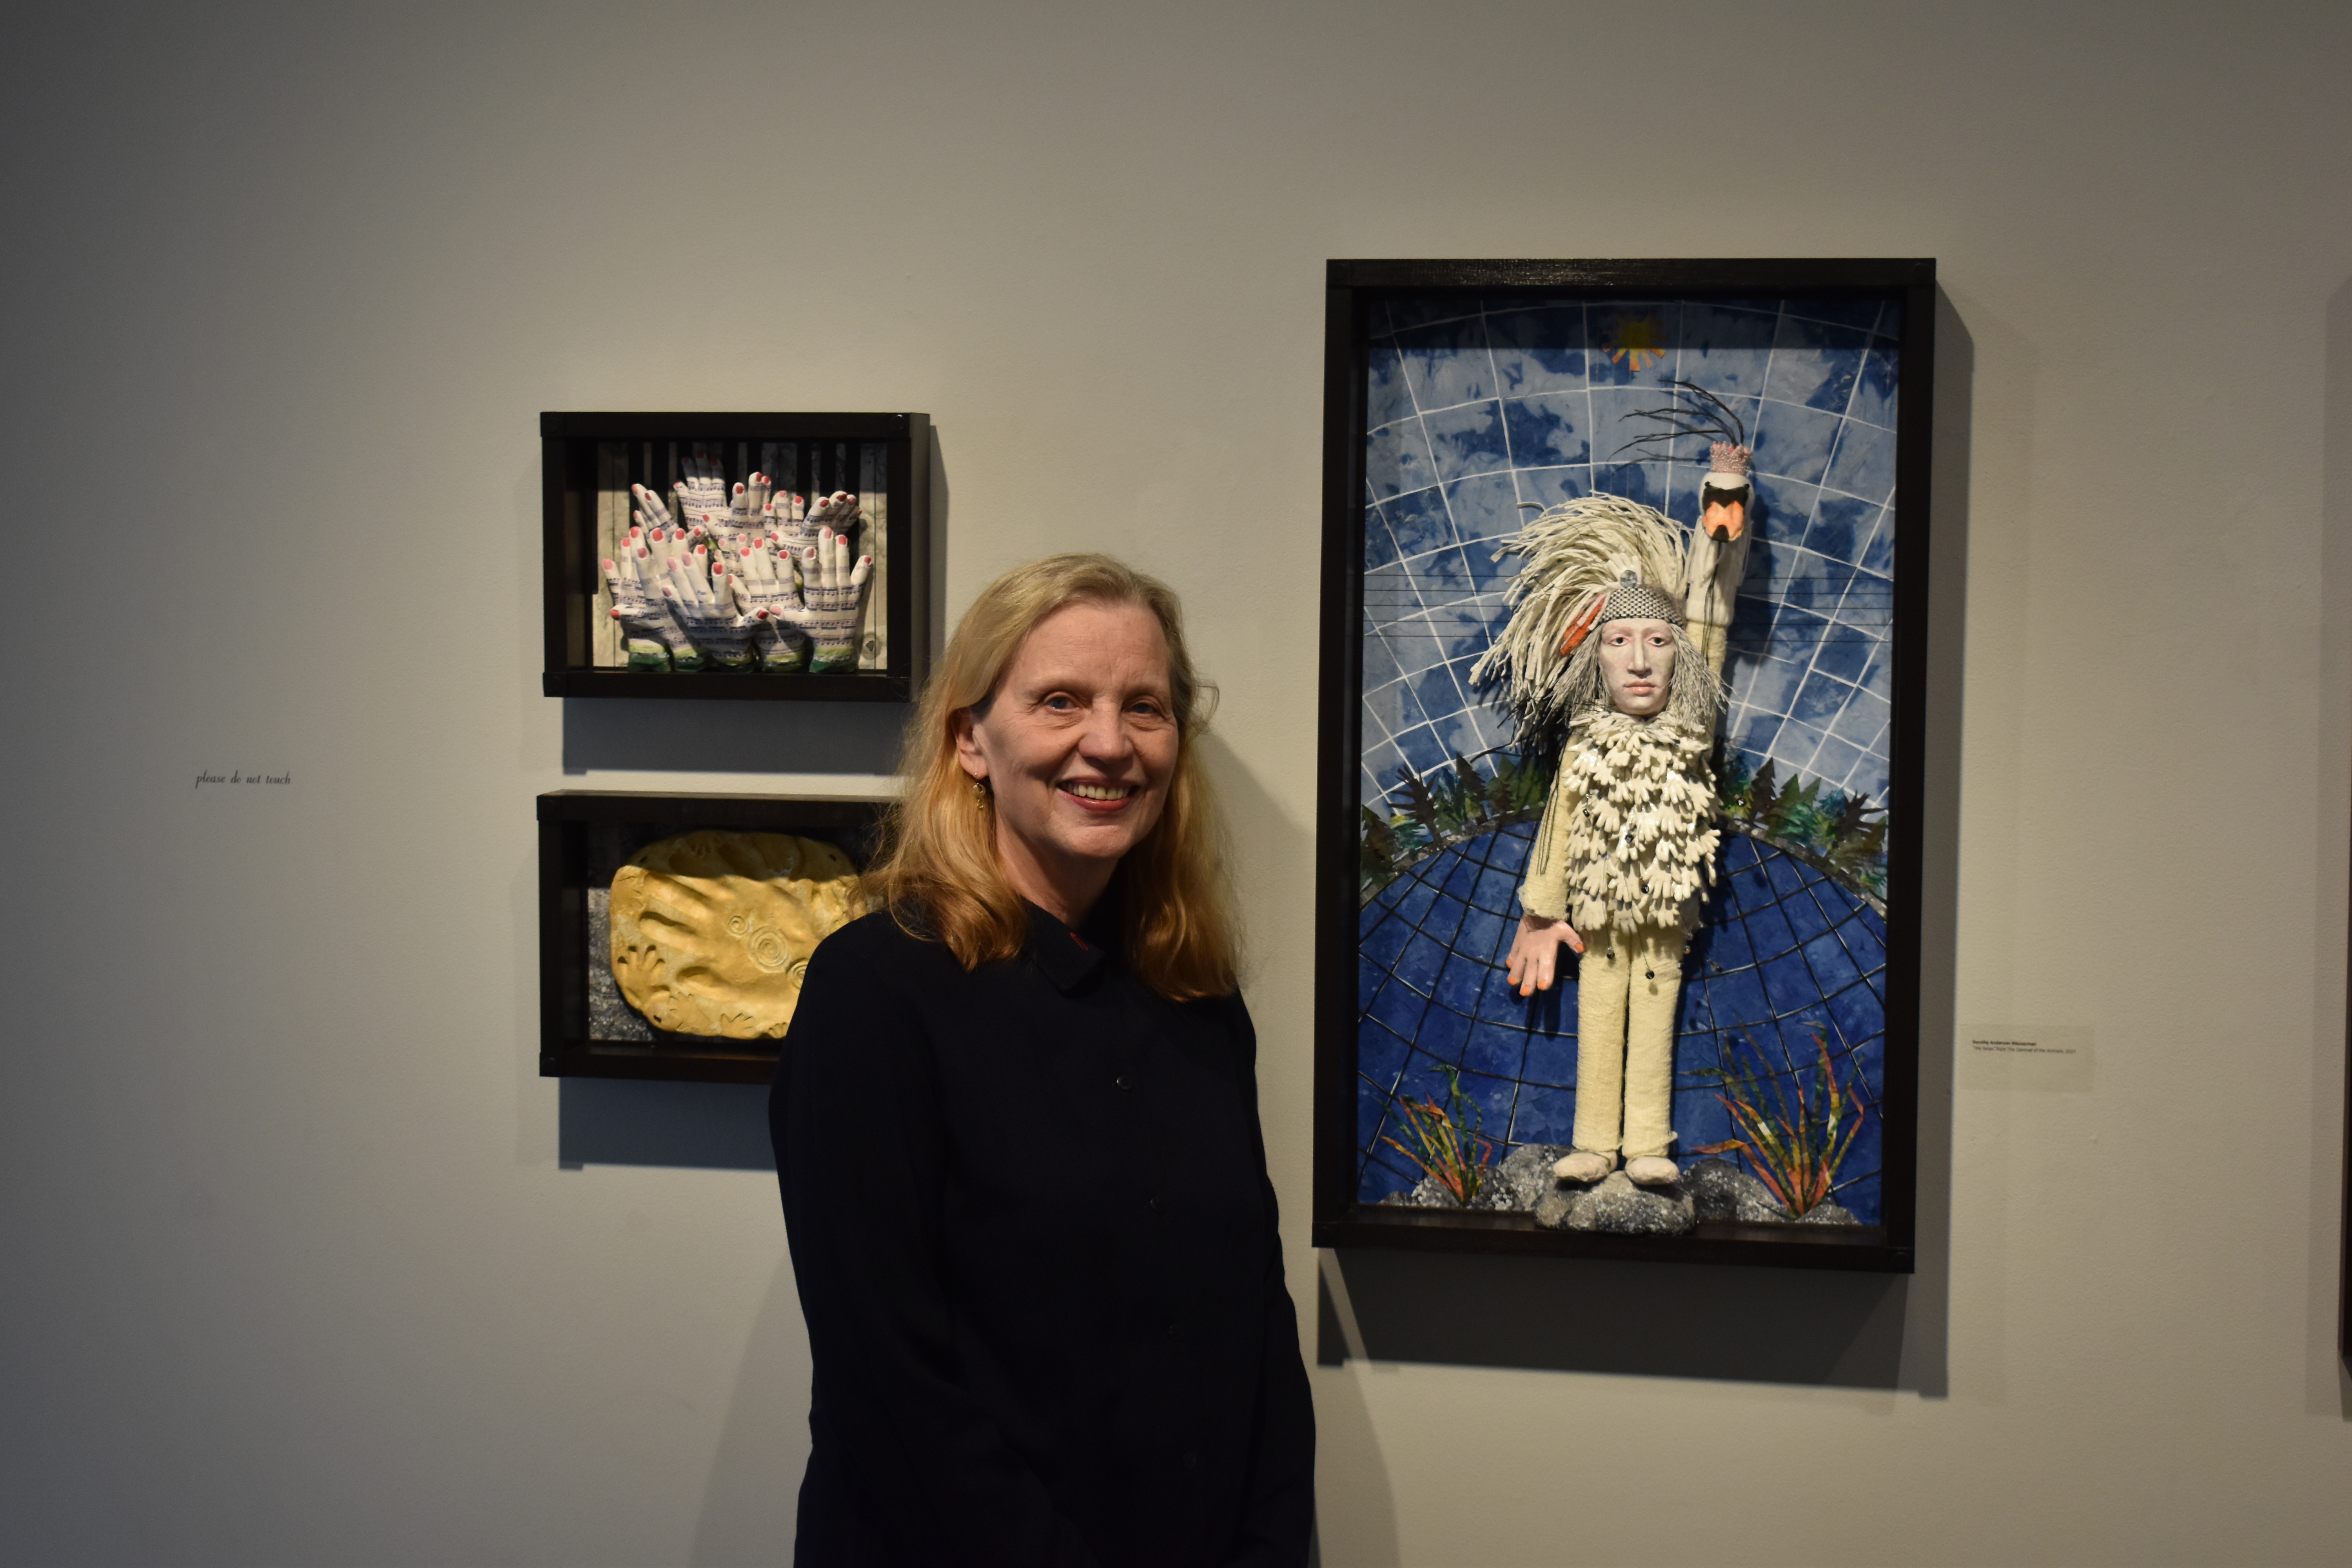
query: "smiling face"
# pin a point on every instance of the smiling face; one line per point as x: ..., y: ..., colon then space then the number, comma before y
x: 1637, y: 663
x: 1077, y: 742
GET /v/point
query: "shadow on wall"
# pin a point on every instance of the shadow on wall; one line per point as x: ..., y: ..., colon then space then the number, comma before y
x: 697, y: 1126
x: 752, y: 1504
x: 2331, y: 1075
x: 1927, y: 1297
x: 1662, y: 1320
x: 749, y: 737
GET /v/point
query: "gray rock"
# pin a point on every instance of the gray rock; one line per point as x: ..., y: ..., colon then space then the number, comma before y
x: 1828, y: 1214
x: 609, y: 1018
x: 1558, y: 1206
x: 1720, y: 1190
x: 1425, y: 1195
x: 1620, y: 1209
x: 1520, y: 1179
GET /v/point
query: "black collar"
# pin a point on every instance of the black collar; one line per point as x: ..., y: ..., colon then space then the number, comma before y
x: 1066, y: 957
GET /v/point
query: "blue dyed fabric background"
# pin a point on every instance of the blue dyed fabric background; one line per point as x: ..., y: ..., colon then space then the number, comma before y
x: 1475, y: 407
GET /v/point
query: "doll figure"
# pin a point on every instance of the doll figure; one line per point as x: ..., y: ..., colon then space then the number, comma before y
x: 1598, y: 651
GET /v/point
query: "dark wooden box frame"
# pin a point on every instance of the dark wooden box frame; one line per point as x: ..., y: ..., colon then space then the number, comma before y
x: 565, y: 815
x: 1351, y: 288
x: 567, y: 445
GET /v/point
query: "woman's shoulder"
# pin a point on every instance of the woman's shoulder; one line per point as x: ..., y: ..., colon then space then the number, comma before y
x: 879, y: 938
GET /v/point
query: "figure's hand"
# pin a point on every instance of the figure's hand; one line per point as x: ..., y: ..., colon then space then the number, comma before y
x: 652, y: 636
x: 700, y: 594
x: 1535, y: 953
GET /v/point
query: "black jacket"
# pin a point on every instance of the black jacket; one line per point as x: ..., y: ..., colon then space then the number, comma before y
x: 1035, y: 1248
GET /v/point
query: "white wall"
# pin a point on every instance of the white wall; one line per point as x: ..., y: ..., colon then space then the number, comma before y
x: 293, y: 1270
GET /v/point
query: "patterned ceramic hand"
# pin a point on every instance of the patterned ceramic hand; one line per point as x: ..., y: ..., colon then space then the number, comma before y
x: 652, y: 635
x: 700, y: 592
x: 767, y: 591
x: 700, y: 493
x: 831, y: 588
x: 837, y: 512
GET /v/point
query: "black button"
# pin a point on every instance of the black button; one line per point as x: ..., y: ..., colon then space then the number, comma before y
x: 1175, y: 1331
x: 1649, y: 974
x: 1192, y: 1461
x: 1153, y: 1203
x: 1124, y: 1082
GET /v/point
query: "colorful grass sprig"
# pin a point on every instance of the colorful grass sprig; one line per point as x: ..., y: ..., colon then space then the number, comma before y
x: 1452, y: 1149
x: 1794, y: 1146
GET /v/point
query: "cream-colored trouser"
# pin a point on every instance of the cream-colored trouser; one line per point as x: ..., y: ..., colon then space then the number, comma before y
x: 1627, y: 986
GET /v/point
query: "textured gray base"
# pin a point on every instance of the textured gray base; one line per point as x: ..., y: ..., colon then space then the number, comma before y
x: 1521, y: 1178
x: 1614, y: 1205
x: 1720, y: 1190
x: 1427, y: 1195
x: 1709, y: 1191
x: 609, y: 1018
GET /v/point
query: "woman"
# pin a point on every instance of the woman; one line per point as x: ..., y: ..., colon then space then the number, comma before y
x: 1016, y: 1128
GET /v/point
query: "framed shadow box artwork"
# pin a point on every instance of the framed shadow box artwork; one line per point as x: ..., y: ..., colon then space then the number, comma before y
x: 730, y: 555
x: 1617, y: 873
x: 674, y: 929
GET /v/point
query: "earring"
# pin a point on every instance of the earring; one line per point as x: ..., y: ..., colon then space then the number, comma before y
x: 980, y: 793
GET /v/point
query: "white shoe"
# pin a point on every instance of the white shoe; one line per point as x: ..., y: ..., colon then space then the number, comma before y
x: 1652, y: 1171
x: 1583, y: 1167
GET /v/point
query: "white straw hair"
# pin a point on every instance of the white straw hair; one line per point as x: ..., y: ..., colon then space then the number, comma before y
x: 1575, y: 553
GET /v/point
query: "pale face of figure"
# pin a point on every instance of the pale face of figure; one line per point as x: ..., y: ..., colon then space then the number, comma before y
x: 1637, y: 663
x: 1077, y: 743
x: 1723, y: 513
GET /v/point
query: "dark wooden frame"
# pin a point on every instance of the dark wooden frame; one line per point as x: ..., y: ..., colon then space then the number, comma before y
x: 567, y: 445
x: 1351, y: 287
x: 565, y: 1049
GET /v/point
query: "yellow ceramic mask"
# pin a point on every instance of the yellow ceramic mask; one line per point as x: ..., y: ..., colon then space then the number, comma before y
x: 712, y: 931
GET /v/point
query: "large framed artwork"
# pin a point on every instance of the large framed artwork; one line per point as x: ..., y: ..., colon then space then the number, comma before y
x: 1623, y: 627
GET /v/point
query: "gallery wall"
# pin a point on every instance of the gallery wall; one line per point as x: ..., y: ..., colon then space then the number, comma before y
x: 303, y: 1262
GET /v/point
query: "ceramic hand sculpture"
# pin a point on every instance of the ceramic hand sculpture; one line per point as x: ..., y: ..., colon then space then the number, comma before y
x: 769, y: 592
x: 837, y: 512
x: 680, y: 577
x: 699, y: 496
x: 654, y: 638
x: 700, y: 594
x: 1596, y: 639
x: 735, y: 533
x: 824, y: 608
x: 711, y: 931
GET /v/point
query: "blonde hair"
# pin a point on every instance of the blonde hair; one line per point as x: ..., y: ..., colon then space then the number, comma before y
x: 938, y: 870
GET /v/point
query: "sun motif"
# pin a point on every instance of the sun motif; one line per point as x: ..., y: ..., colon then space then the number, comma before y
x: 1637, y: 342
